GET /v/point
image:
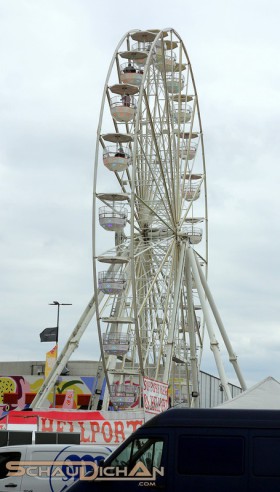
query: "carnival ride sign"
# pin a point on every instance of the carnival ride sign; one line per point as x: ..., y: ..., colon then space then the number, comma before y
x: 155, y: 396
x: 95, y: 427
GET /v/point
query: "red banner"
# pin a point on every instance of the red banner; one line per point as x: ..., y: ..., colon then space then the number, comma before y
x: 94, y: 427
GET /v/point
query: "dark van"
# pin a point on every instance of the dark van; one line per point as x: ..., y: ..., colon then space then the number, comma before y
x: 195, y: 450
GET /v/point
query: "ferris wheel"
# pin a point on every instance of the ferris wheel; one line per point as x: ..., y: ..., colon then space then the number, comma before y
x: 150, y: 228
x: 150, y: 198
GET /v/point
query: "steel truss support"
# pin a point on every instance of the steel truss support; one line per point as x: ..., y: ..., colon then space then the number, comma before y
x: 191, y: 328
x: 205, y: 308
x: 232, y: 355
x: 171, y: 333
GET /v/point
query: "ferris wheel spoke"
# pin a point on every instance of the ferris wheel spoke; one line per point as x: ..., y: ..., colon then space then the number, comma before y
x: 162, y: 287
x: 156, y: 270
x: 158, y: 156
x: 155, y: 189
x: 155, y: 279
x: 174, y: 312
x: 154, y: 213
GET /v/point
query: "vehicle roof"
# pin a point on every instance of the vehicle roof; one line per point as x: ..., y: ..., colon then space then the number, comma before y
x: 215, y: 417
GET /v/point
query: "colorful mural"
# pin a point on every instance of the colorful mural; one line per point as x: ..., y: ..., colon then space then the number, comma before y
x: 22, y: 385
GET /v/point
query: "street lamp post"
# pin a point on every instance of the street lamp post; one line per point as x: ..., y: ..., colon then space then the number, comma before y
x: 58, y: 304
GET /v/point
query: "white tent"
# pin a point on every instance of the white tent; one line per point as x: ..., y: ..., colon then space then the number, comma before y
x: 264, y: 395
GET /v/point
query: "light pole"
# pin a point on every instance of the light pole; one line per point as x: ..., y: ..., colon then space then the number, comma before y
x: 58, y: 304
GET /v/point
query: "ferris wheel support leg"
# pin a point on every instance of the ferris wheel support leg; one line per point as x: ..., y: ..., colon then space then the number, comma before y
x: 170, y: 341
x: 190, y: 321
x: 213, y: 341
x: 232, y: 355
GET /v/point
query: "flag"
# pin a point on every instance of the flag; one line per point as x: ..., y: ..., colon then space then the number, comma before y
x: 51, y: 357
x: 49, y: 335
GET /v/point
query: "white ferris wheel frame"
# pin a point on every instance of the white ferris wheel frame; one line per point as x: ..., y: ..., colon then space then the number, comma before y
x: 187, y: 262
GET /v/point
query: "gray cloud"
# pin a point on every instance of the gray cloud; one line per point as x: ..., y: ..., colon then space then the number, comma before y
x: 55, y: 57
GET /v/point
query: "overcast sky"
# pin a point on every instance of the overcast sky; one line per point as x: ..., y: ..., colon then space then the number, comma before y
x: 54, y: 59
